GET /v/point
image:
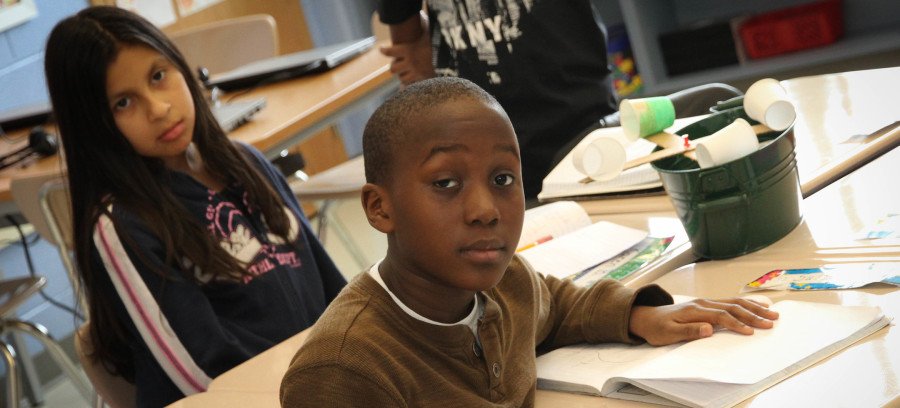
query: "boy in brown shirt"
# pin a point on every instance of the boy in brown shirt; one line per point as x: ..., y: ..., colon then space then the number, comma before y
x: 450, y: 317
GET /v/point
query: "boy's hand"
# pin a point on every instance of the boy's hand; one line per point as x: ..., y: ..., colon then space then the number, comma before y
x: 696, y: 319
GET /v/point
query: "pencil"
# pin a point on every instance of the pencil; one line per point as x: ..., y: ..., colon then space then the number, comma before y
x: 538, y: 242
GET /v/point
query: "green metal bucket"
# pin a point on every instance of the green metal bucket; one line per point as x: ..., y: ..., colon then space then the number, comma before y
x: 740, y: 206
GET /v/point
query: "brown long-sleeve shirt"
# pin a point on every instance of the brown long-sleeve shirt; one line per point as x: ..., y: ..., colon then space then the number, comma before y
x: 365, y: 351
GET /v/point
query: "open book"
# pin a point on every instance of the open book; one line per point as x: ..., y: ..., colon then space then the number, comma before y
x: 559, y: 239
x: 718, y: 371
x: 565, y: 182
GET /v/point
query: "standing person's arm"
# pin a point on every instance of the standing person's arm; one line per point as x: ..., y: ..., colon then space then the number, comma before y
x: 410, y: 48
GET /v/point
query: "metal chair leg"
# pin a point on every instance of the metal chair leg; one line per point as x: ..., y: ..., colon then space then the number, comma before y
x: 69, y: 368
x: 323, y: 219
x: 29, y: 378
x: 12, y: 375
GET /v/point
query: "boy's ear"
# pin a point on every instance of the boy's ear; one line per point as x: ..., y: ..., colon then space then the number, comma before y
x: 377, y: 206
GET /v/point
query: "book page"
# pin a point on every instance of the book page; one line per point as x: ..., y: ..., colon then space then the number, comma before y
x: 630, y: 392
x: 552, y: 220
x: 719, y: 371
x: 594, y: 364
x: 582, y: 249
x: 719, y: 394
x: 802, y: 329
x: 685, y: 393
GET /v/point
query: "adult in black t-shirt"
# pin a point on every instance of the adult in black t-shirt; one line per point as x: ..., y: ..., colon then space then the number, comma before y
x: 544, y: 60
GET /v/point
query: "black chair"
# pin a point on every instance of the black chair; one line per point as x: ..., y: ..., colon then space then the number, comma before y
x: 688, y: 102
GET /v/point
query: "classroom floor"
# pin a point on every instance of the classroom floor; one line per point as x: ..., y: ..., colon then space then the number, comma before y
x: 372, y: 244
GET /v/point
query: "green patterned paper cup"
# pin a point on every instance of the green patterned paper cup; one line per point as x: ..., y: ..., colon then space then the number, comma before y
x: 645, y: 117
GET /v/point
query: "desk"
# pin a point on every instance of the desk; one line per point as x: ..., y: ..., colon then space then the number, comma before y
x: 832, y: 217
x: 228, y: 399
x: 837, y: 131
x: 262, y: 373
x: 254, y: 383
x: 295, y: 109
x: 298, y: 108
x: 836, y: 113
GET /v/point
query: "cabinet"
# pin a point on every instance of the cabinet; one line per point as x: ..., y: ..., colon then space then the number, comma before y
x: 870, y: 27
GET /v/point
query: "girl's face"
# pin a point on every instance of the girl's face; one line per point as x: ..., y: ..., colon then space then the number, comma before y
x: 151, y: 104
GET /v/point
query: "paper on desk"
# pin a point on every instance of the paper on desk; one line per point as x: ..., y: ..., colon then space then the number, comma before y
x: 582, y: 249
x: 840, y: 276
x: 886, y: 227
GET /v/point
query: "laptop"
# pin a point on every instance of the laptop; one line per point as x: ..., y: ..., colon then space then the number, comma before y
x: 290, y: 65
x: 230, y: 115
x: 25, y: 116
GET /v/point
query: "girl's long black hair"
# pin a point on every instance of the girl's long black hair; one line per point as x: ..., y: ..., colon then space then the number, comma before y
x: 103, y: 168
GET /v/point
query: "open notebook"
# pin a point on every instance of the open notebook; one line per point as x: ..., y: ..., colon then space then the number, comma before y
x: 290, y: 65
x: 718, y: 371
x: 560, y: 239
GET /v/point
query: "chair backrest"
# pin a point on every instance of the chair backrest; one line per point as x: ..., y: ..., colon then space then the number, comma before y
x: 223, y: 45
x: 14, y: 292
x: 114, y: 391
x: 44, y: 201
x: 27, y: 192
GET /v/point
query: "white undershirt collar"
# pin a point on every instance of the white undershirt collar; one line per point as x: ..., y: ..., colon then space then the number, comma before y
x: 471, y: 320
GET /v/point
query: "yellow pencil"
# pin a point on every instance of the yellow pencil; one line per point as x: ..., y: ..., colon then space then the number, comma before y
x: 538, y: 242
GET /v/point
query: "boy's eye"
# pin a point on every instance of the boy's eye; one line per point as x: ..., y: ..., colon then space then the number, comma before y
x: 122, y: 104
x: 503, y: 179
x: 446, y: 183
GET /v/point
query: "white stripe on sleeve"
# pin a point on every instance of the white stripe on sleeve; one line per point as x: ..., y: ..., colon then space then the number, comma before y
x: 168, y: 350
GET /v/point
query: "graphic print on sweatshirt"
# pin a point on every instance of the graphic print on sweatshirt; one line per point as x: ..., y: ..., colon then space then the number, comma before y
x: 485, y: 28
x: 243, y: 234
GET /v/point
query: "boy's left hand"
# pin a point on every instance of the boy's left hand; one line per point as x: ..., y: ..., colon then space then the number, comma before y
x: 693, y: 320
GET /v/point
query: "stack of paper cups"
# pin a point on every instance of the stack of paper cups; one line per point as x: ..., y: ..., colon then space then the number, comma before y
x: 767, y: 102
x: 730, y: 143
x: 602, y: 159
x: 645, y: 117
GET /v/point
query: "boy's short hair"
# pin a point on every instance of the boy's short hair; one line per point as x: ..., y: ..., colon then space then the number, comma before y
x: 387, y: 129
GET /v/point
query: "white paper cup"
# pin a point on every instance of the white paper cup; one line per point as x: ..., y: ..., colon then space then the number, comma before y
x: 730, y: 143
x: 602, y: 159
x: 767, y: 102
